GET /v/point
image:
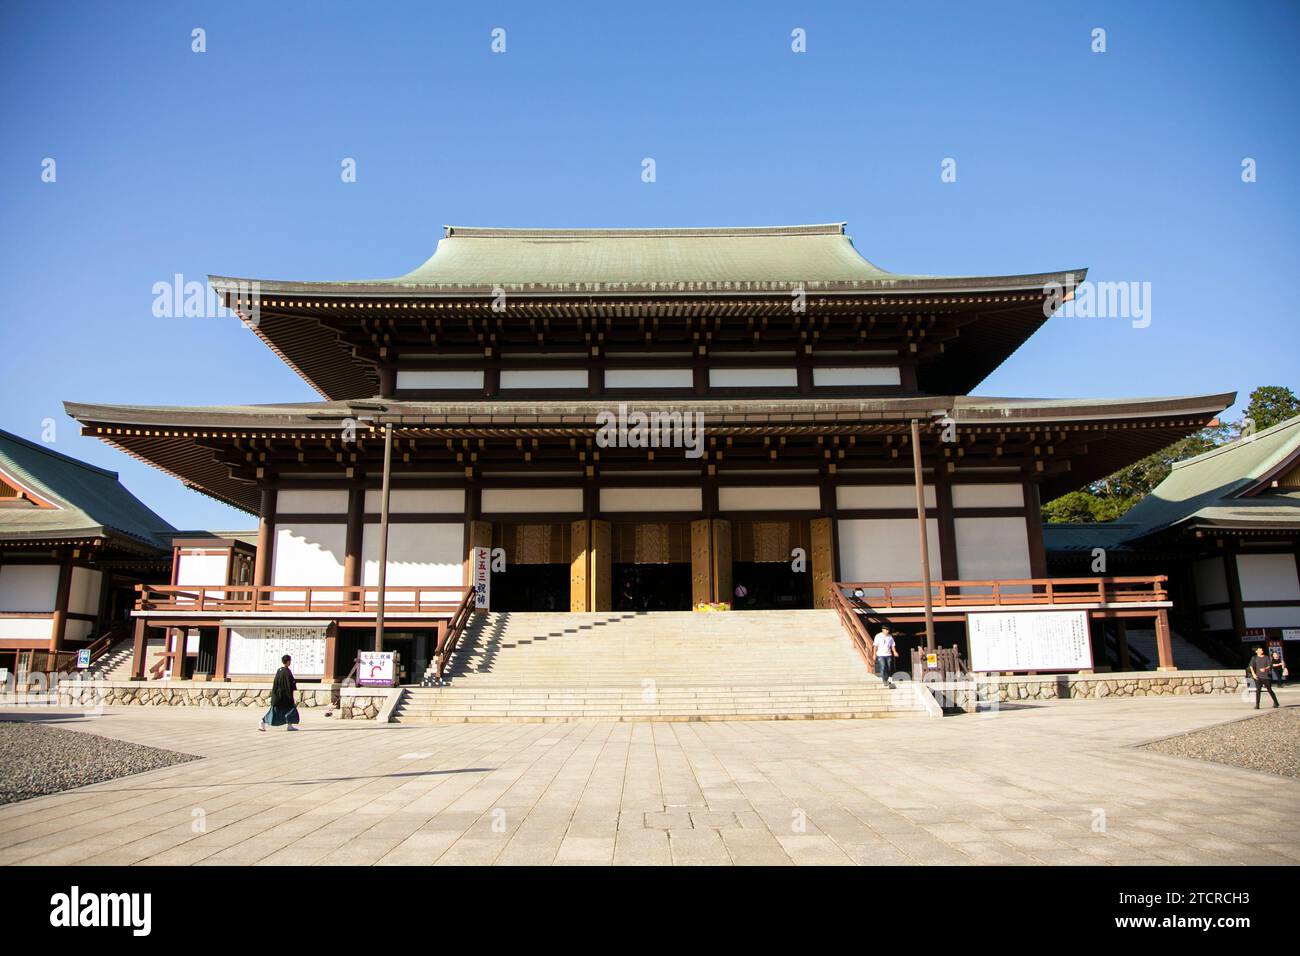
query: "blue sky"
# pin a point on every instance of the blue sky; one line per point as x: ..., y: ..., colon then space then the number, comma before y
x: 228, y: 162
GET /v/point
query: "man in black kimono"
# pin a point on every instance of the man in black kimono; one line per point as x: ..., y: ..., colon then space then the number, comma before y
x: 283, y: 710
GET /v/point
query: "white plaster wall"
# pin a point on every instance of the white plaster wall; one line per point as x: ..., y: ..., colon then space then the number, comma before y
x: 312, y: 501
x: 27, y: 628
x: 528, y: 500
x: 885, y: 375
x: 753, y: 377
x: 885, y: 549
x: 28, y: 587
x: 651, y: 499
x: 435, y: 379
x: 881, y: 496
x: 206, y: 568
x: 417, y: 501
x: 1268, y: 577
x: 425, y: 554
x: 83, y: 596
x: 1211, y: 588
x: 311, y: 554
x: 988, y: 496
x: 544, y: 378
x: 775, y: 498
x: 649, y: 378
x: 1272, y: 616
x: 992, y: 548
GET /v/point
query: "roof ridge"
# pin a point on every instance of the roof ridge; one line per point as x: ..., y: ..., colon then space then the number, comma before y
x: 1239, y: 442
x: 492, y: 232
x: 44, y: 449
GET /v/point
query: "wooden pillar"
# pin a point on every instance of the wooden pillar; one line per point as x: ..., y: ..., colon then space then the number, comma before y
x: 947, y: 527
x: 355, y: 540
x: 600, y: 566
x: 1233, y: 577
x: 265, y: 539
x: 822, y: 533
x: 1121, y: 642
x: 721, y: 560
x: 223, y: 653
x: 139, y: 649
x: 580, y: 565
x: 59, y: 620
x: 491, y: 381
x: 1034, y: 530
x: 1164, y: 643
x: 701, y: 561
x: 387, y: 381
x: 331, y: 652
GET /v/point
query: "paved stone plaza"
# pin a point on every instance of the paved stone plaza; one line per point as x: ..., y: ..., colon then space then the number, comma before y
x: 1027, y: 786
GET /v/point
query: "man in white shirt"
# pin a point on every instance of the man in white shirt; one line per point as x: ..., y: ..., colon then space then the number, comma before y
x: 885, y: 649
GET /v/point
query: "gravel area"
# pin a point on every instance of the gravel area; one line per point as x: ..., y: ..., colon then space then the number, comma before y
x: 36, y: 759
x: 1269, y: 743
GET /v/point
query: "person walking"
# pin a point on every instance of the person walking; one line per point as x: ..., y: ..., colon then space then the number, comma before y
x: 1278, y: 666
x: 885, y: 648
x: 1261, y: 669
x: 283, y: 710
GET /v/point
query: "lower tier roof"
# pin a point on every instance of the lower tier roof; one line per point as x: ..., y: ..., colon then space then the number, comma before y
x: 1062, y: 443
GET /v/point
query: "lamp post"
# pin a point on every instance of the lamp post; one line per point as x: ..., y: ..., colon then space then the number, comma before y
x: 919, y: 477
x: 383, y: 536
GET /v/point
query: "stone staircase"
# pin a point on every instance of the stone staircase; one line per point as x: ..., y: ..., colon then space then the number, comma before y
x: 735, y: 665
x: 115, y: 663
x: 1187, y: 655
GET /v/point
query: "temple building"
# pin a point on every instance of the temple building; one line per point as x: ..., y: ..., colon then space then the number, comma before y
x: 74, y: 544
x: 630, y: 419
x: 1225, y: 528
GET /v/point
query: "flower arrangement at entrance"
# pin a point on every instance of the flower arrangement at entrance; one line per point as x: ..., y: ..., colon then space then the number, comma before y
x: 708, y: 606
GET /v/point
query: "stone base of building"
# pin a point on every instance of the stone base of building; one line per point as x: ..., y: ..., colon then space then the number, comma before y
x: 1112, y: 684
x: 351, y: 703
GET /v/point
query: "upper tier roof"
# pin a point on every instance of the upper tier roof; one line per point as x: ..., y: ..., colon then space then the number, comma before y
x: 658, y: 261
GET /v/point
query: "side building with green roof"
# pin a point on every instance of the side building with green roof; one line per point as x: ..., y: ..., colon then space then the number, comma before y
x: 1225, y: 527
x: 73, y: 545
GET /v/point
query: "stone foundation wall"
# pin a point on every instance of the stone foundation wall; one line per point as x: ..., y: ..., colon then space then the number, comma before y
x: 1125, y: 684
x: 89, y: 693
x: 362, y: 703
x: 1096, y: 686
x: 350, y: 703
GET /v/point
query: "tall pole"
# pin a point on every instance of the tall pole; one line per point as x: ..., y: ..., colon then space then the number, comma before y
x: 919, y: 477
x: 383, y: 536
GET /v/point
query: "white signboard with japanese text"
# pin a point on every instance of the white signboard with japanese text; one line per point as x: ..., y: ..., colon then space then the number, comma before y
x: 482, y: 578
x: 1030, y: 641
x: 257, y: 650
x: 376, y: 669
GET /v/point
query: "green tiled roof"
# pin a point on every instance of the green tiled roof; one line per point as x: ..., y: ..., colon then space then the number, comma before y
x: 1205, y: 489
x: 665, y: 261
x: 1202, y: 492
x: 89, y: 501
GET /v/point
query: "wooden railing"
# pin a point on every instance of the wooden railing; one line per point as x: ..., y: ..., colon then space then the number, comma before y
x: 882, y: 596
x: 854, y: 626
x: 334, y: 599
x: 455, y: 628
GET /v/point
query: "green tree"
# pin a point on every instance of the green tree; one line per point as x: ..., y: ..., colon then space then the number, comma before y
x: 1270, y: 404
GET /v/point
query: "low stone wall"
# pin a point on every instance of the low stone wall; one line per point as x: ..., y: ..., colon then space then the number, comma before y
x: 91, y: 693
x: 1123, y: 684
x: 350, y: 703
x: 362, y: 703
x: 1097, y: 686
